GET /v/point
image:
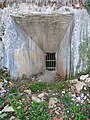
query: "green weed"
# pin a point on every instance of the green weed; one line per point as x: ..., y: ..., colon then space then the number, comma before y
x: 39, y: 111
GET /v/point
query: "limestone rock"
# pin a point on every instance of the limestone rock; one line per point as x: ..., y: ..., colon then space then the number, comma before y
x: 12, y: 118
x: 8, y: 109
x: 85, y: 88
x: 35, y: 98
x: 82, y: 95
x: 78, y: 99
x: 41, y: 95
x: 19, y: 107
x: 52, y: 102
x: 57, y: 112
x: 2, y: 91
x: 83, y: 77
x: 87, y: 80
x: 63, y: 92
x: 74, y: 81
x: 3, y: 115
x: 79, y: 86
x: 1, y: 84
x: 27, y: 91
x: 77, y: 5
x: 5, y: 81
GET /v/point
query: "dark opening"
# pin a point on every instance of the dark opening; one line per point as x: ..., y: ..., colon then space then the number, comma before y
x: 50, y: 61
x: 0, y: 39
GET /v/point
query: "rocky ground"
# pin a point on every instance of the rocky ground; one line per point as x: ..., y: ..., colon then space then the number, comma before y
x: 25, y: 99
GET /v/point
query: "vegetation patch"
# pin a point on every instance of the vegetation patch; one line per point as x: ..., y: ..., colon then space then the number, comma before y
x: 39, y: 111
x: 19, y: 95
x: 39, y: 86
x: 74, y: 111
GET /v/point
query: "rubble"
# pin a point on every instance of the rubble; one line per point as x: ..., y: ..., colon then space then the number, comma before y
x: 74, y: 81
x: 8, y: 109
x: 79, y: 86
x: 83, y: 77
x: 27, y: 91
x: 41, y: 95
x: 35, y: 98
x: 52, y: 102
x: 55, y: 106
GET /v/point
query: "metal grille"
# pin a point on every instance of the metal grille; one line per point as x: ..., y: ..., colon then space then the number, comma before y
x: 50, y: 61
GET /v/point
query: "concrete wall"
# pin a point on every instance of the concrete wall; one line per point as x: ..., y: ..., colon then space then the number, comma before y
x: 63, y: 55
x: 47, y: 31
x: 22, y: 55
x: 28, y: 39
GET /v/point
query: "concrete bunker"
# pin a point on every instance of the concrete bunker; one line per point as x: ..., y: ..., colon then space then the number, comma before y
x: 44, y: 44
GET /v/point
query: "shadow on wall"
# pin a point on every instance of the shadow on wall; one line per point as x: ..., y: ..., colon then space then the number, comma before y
x: 27, y: 44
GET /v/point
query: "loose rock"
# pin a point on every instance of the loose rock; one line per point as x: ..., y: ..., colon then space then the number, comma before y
x: 36, y: 98
x: 3, y: 115
x: 41, y: 95
x: 8, y: 109
x: 27, y: 91
x: 87, y: 81
x: 73, y: 81
x: 1, y: 85
x: 12, y: 118
x: 79, y: 86
x: 52, y: 102
x: 83, y: 77
x: 19, y: 107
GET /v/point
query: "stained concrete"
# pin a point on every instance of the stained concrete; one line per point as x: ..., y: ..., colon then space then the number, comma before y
x: 27, y: 39
x: 22, y: 55
x: 63, y: 63
x: 47, y: 31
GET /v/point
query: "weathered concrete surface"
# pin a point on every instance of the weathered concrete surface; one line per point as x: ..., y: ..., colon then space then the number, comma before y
x: 29, y: 61
x: 64, y: 54
x: 1, y: 53
x: 47, y: 31
x: 26, y: 44
x: 22, y: 55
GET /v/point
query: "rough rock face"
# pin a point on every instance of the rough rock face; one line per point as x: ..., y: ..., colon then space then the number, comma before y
x: 80, y: 42
x: 64, y: 2
x: 1, y: 52
x: 23, y: 56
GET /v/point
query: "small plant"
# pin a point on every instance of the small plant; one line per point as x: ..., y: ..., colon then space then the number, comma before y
x: 39, y: 111
x: 46, y: 86
x: 4, y: 74
x: 84, y: 57
x: 37, y: 86
x: 15, y: 102
x: 80, y: 112
x: 2, y: 100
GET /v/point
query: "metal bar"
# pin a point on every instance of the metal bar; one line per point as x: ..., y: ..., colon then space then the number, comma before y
x: 50, y: 61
